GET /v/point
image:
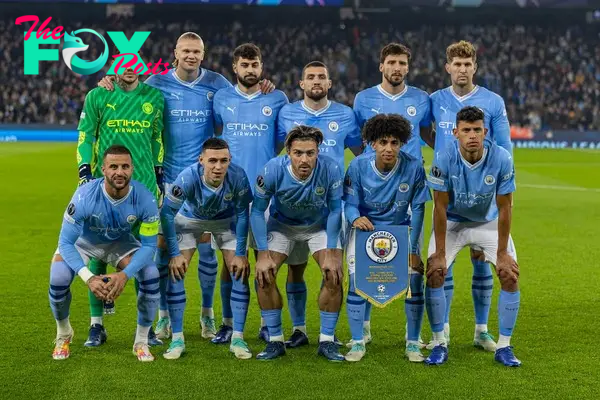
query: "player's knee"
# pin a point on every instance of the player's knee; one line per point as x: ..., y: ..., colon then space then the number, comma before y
x: 508, y: 281
x: 124, y: 262
x: 148, y: 275
x: 477, y: 255
x: 435, y: 277
x: 61, y: 275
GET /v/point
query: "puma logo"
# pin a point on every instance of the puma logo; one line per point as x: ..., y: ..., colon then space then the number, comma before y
x: 113, y: 106
x: 443, y: 109
x: 232, y: 109
x: 376, y: 111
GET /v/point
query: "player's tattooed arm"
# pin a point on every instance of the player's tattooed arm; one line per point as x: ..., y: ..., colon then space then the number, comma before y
x: 506, y: 266
x: 108, y: 82
x: 428, y: 135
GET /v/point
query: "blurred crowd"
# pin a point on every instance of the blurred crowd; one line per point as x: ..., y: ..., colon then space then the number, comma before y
x: 548, y: 76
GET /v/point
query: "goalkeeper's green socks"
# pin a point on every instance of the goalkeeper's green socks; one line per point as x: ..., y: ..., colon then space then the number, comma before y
x: 97, y: 267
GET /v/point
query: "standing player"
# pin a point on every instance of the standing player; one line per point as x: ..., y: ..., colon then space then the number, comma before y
x: 215, y: 196
x: 306, y: 209
x: 378, y: 189
x: 99, y: 222
x: 247, y: 118
x: 340, y: 130
x: 131, y: 115
x: 461, y: 65
x: 394, y: 96
x: 473, y: 182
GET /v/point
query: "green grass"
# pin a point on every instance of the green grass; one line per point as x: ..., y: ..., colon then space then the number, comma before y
x: 555, y: 231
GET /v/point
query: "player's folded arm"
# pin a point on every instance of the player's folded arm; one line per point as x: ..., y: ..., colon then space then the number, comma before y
x: 241, y: 231
x: 167, y: 219
x: 258, y: 221
x: 69, y: 233
x: 144, y: 255
x: 334, y: 222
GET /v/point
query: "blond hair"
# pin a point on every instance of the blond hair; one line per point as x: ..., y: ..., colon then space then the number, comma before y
x: 186, y: 35
x: 462, y: 49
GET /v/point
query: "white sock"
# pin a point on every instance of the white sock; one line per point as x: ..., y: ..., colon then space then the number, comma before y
x: 503, y: 341
x: 438, y: 338
x: 367, y: 325
x: 63, y: 327
x: 96, y: 320
x: 262, y: 322
x: 278, y: 338
x: 237, y: 335
x: 447, y: 329
x: 178, y: 335
x: 480, y: 328
x: 208, y: 312
x: 228, y: 321
x: 358, y: 342
x: 301, y: 328
x: 325, y: 338
x: 141, y: 334
x: 415, y: 342
x: 163, y: 313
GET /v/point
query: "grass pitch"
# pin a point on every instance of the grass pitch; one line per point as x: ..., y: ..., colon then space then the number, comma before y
x: 555, y: 229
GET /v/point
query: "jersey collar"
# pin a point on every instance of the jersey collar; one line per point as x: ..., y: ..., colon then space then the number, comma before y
x: 317, y: 112
x: 190, y: 84
x: 466, y: 96
x: 247, y: 96
x: 392, y: 97
x: 211, y: 188
x: 385, y: 177
x: 300, y: 181
x: 116, y: 202
x: 478, y: 163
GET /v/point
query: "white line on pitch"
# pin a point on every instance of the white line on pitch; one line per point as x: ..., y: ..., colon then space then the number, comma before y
x: 553, y: 187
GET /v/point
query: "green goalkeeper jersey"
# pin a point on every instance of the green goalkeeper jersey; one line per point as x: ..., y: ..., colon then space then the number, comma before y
x: 133, y: 119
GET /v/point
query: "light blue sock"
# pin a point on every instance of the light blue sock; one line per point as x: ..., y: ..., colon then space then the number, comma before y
x: 207, y: 273
x: 414, y: 307
x: 296, y: 295
x: 176, y: 302
x: 61, y: 277
x: 328, y: 322
x: 508, y: 309
x: 240, y: 298
x: 162, y: 263
x: 148, y: 294
x: 435, y: 302
x: 226, y: 298
x: 368, y: 308
x: 481, y: 288
x: 449, y: 291
x: 355, y: 307
x: 273, y: 320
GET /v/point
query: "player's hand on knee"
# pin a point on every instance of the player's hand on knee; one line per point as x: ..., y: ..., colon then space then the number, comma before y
x: 266, y: 86
x: 98, y: 287
x: 364, y: 224
x: 115, y: 285
x: 507, y: 268
x: 178, y: 266
x: 266, y: 270
x: 417, y: 264
x: 332, y: 269
x: 240, y: 267
x: 436, y: 266
x: 107, y: 82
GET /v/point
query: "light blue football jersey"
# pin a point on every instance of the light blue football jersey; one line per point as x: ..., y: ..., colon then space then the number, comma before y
x: 412, y: 103
x: 445, y: 104
x: 296, y: 202
x: 195, y: 199
x: 249, y: 126
x: 189, y: 118
x: 385, y: 198
x: 472, y: 188
x: 102, y: 219
x: 336, y: 121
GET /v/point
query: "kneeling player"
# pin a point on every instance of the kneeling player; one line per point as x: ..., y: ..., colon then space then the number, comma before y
x: 473, y: 182
x: 98, y: 223
x: 215, y: 196
x: 306, y: 210
x: 378, y: 190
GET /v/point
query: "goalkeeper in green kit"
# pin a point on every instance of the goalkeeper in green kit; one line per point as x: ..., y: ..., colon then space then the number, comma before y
x: 132, y: 116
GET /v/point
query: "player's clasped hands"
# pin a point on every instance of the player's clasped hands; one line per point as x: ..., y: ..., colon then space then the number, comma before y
x: 178, y: 266
x: 436, y: 266
x: 115, y: 285
x: 332, y: 267
x: 364, y: 224
x: 98, y: 287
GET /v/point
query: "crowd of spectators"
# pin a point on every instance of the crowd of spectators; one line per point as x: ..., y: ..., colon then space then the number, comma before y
x: 548, y: 76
